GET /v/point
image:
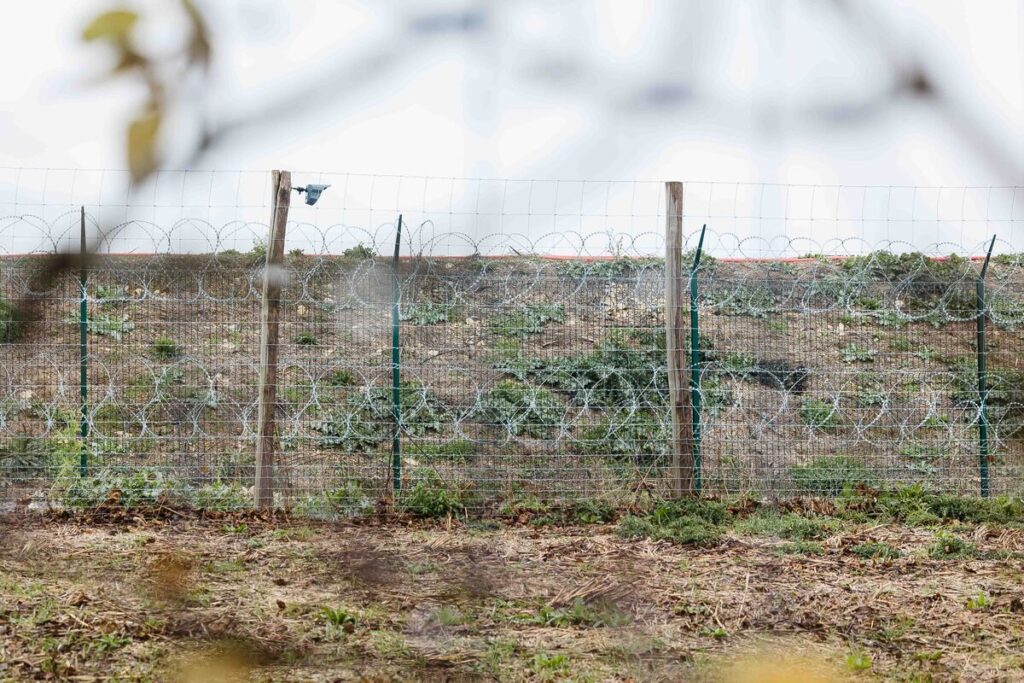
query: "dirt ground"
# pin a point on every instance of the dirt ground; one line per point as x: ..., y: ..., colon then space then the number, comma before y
x: 248, y: 598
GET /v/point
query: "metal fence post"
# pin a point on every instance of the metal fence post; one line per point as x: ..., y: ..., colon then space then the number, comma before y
x: 695, y: 365
x: 983, y: 446
x: 396, y: 380
x: 83, y: 349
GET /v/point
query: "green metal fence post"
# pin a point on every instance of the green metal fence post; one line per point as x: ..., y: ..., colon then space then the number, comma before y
x: 695, y: 365
x: 396, y: 384
x: 983, y: 446
x: 83, y: 350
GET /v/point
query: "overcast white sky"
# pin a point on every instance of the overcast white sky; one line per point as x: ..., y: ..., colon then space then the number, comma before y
x: 789, y: 91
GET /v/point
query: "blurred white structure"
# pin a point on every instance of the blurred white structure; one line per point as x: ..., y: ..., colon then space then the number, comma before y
x: 814, y: 99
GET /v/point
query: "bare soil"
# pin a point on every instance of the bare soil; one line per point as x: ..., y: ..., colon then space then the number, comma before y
x: 245, y: 597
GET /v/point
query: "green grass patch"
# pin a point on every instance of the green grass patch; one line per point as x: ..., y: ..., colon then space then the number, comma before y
x: 450, y: 615
x: 791, y: 526
x: 687, y: 522
x: 549, y: 666
x: 916, y: 506
x: 802, y: 548
x: 341, y: 378
x: 166, y: 348
x: 306, y: 338
x: 859, y: 661
x: 946, y: 546
x: 457, y: 449
x: 578, y: 512
x: 829, y: 475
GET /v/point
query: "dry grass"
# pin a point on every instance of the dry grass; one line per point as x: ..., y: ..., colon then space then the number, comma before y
x: 245, y: 597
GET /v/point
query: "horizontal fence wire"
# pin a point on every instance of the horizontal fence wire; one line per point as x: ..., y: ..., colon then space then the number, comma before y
x: 525, y: 374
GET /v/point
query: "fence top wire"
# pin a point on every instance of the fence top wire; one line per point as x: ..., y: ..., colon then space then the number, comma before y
x: 211, y: 211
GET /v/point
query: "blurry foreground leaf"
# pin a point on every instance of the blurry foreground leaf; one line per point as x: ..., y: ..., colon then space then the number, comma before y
x: 142, y: 155
x: 114, y: 26
x: 199, y: 46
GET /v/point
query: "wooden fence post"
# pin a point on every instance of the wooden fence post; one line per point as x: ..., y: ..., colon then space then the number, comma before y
x: 270, y: 318
x: 681, y: 446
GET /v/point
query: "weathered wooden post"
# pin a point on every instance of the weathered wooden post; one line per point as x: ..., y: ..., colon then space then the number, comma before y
x: 681, y: 445
x: 270, y: 319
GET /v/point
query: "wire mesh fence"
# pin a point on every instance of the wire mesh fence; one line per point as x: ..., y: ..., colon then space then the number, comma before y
x: 522, y: 376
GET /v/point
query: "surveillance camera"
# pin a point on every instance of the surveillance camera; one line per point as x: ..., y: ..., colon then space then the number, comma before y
x: 313, y: 192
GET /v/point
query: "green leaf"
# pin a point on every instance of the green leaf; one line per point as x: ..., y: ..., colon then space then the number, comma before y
x: 142, y: 153
x: 114, y: 26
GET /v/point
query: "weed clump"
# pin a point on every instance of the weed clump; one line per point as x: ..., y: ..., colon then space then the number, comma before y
x: 687, y: 522
x: 819, y: 415
x: 981, y: 601
x: 341, y: 378
x: 306, y: 338
x: 431, y: 496
x: 426, y: 313
x: 627, y: 369
x: 1004, y: 398
x: 579, y: 613
x: 457, y: 449
x: 852, y: 353
x: 141, y: 487
x: 754, y: 301
x: 830, y: 475
x: 166, y: 348
x: 802, y: 548
x: 790, y: 526
x: 221, y: 496
x: 528, y: 320
x: 104, y: 325
x: 521, y: 410
x: 349, y: 501
x: 363, y: 421
x: 22, y: 457
x: 640, y: 437
x: 949, y: 547
x: 10, y: 324
x: 604, y: 269
x: 915, y: 506
x: 539, y: 513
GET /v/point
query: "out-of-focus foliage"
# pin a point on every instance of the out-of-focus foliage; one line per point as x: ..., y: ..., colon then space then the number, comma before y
x: 163, y: 75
